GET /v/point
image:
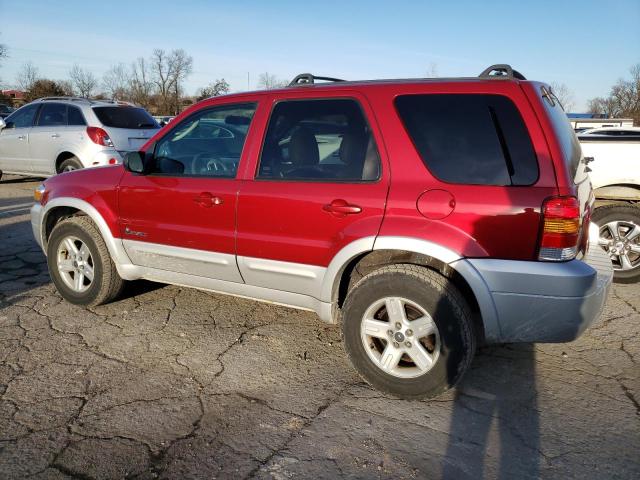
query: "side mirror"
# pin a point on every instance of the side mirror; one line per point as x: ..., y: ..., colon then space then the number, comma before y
x: 2, y: 123
x: 134, y: 162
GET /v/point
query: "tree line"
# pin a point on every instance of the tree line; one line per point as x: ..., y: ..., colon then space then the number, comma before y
x: 155, y: 83
x: 623, y: 100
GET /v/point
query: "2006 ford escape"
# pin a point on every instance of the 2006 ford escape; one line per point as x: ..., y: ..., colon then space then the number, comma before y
x: 424, y: 216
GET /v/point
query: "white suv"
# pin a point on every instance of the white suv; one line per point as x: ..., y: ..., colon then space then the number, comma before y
x: 56, y: 134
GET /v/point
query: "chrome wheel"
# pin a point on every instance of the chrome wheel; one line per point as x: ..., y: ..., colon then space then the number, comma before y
x: 621, y: 240
x: 75, y: 264
x: 400, y: 337
x: 69, y: 168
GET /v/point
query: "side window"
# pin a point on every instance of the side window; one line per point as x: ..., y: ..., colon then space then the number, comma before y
x: 75, y: 116
x: 209, y: 143
x: 470, y: 138
x: 23, y: 117
x: 319, y: 140
x: 53, y: 114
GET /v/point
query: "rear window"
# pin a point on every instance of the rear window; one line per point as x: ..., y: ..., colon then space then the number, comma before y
x: 571, y: 151
x: 125, y: 117
x: 473, y: 139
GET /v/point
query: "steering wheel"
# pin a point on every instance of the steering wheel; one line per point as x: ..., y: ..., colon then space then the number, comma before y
x: 206, y: 162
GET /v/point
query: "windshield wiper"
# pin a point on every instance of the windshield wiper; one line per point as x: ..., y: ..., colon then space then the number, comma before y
x: 145, y: 125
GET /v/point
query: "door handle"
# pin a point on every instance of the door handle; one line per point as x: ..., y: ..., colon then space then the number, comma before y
x: 21, y: 137
x: 55, y: 135
x: 341, y: 208
x: 207, y: 200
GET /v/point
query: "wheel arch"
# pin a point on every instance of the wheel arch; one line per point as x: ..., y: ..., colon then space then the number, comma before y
x: 618, y: 191
x: 62, y: 156
x: 365, y: 255
x: 63, y: 207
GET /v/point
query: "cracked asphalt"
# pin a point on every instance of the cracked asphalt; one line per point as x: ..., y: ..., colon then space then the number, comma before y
x: 171, y: 383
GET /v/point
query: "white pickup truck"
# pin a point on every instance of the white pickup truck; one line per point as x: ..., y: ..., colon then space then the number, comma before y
x: 615, y: 175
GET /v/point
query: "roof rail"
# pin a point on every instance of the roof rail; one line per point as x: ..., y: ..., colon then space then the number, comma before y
x: 81, y: 99
x: 502, y: 71
x: 309, y: 78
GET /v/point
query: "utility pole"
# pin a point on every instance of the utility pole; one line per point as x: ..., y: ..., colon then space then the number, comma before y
x: 248, y: 87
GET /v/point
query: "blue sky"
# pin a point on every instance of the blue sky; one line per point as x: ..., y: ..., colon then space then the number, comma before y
x: 585, y: 44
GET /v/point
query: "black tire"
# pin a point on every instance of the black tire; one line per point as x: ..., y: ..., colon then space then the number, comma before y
x: 621, y: 213
x: 438, y: 297
x: 106, y: 284
x: 70, y: 164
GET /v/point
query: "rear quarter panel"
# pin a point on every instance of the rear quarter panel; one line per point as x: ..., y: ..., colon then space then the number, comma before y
x: 487, y: 221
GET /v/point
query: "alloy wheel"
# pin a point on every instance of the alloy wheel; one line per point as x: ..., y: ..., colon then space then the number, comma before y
x: 400, y: 337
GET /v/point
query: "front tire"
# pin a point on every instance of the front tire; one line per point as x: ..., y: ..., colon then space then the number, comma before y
x: 70, y: 164
x: 80, y: 265
x: 408, y: 331
x: 619, y: 235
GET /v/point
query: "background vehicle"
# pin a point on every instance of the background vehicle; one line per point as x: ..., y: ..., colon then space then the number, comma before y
x: 615, y: 174
x: 57, y: 134
x: 423, y: 215
x: 5, y: 110
x: 613, y: 132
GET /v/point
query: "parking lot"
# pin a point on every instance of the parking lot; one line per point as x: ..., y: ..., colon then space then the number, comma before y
x: 170, y: 382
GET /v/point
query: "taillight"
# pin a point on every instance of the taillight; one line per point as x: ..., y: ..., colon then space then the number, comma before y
x: 99, y: 136
x: 561, y: 229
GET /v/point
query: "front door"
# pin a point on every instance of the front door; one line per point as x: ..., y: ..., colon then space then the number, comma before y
x: 319, y: 185
x: 180, y: 216
x: 14, y: 140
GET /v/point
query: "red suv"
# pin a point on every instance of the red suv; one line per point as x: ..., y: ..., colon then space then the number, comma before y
x: 424, y: 216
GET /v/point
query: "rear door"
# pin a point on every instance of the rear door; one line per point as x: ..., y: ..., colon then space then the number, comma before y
x: 318, y: 185
x: 14, y: 140
x: 47, y: 137
x: 181, y: 215
x: 128, y: 127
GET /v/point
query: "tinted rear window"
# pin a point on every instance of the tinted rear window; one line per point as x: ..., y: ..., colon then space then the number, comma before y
x: 470, y: 138
x: 125, y: 117
x: 571, y: 151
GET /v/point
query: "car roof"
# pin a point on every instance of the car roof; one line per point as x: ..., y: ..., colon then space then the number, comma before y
x: 86, y: 101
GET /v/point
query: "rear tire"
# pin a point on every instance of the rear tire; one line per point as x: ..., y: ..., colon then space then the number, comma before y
x: 80, y: 265
x: 422, y: 352
x: 626, y: 218
x: 70, y: 164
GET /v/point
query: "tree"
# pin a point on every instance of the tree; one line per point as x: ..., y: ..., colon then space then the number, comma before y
x: 44, y: 88
x: 214, y: 89
x: 168, y: 71
x: 26, y: 76
x: 623, y: 99
x: 83, y: 81
x: 564, y: 95
x: 115, y: 82
x: 267, y: 81
x: 140, y: 85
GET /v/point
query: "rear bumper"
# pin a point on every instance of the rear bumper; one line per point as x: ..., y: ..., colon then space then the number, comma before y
x: 544, y: 301
x: 102, y: 158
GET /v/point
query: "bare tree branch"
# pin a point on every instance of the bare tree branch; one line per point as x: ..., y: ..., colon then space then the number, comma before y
x: 83, y: 81
x: 115, y: 82
x: 267, y: 81
x: 27, y: 76
x: 564, y: 95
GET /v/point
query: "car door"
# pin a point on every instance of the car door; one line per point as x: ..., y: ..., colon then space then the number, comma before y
x: 318, y: 185
x: 181, y: 215
x: 14, y: 140
x: 47, y: 136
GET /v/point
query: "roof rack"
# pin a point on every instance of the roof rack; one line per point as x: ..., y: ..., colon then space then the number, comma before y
x: 309, y: 78
x: 502, y: 71
x: 75, y: 99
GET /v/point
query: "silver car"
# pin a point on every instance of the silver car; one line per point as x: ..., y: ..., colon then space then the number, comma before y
x: 56, y: 134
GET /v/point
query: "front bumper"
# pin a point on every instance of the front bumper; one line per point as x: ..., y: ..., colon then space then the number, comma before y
x: 544, y: 301
x: 36, y: 223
